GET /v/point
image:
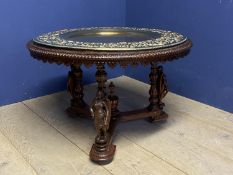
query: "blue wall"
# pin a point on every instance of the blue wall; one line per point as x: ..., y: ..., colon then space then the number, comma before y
x: 206, y: 75
x: 21, y: 77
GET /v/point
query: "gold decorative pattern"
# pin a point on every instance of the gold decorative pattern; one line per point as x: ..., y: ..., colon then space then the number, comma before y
x: 165, y: 39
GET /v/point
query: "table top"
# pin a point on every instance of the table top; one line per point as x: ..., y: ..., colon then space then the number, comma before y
x: 111, y: 38
x: 113, y: 46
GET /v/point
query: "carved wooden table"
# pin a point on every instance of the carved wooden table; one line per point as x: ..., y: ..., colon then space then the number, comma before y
x: 111, y: 46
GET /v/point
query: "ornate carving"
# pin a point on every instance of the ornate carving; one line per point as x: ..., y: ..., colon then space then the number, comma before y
x: 161, y: 86
x: 101, y: 78
x: 114, y: 109
x: 75, y: 88
x: 160, y: 39
x: 153, y: 88
x: 113, y: 99
x: 69, y: 56
x: 157, y: 92
x: 104, y: 109
x: 102, y: 150
x: 101, y: 113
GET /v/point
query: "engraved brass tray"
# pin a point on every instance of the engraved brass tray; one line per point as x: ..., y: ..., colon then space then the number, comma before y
x: 111, y: 38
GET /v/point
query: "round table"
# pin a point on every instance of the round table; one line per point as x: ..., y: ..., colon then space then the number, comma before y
x: 110, y: 46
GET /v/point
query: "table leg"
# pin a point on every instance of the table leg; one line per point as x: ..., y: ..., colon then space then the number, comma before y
x: 115, y: 113
x: 75, y: 88
x: 102, y: 150
x: 158, y: 91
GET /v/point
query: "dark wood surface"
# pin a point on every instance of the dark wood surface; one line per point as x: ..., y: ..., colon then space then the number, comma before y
x: 111, y: 58
x: 104, y: 108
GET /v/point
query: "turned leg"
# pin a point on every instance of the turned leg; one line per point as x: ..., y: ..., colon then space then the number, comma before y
x: 158, y: 91
x: 115, y: 113
x: 75, y: 88
x: 102, y: 150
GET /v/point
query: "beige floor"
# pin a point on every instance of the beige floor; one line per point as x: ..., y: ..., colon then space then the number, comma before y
x: 37, y: 137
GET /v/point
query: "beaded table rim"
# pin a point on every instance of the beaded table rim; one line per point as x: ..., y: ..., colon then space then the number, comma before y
x: 167, y: 39
x: 112, y: 58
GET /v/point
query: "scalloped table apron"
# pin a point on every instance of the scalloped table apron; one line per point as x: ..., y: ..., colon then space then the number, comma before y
x: 110, y: 46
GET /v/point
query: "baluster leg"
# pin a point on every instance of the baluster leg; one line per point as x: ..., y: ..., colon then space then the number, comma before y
x: 75, y: 88
x: 102, y: 150
x: 158, y: 91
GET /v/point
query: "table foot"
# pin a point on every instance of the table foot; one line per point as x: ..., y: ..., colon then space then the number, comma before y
x: 74, y: 111
x: 159, y: 116
x: 102, y: 151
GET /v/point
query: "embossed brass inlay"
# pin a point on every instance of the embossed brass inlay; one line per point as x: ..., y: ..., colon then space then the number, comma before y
x: 109, y: 33
x: 111, y: 38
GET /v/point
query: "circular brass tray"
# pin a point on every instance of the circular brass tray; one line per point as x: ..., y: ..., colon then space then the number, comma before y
x: 111, y: 39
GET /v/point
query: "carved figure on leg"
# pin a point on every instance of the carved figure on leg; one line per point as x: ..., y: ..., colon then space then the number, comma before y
x: 102, y: 150
x: 161, y: 86
x: 158, y: 91
x: 75, y: 88
x: 101, y: 113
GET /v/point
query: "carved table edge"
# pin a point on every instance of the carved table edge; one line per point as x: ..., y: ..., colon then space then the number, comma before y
x: 112, y: 58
